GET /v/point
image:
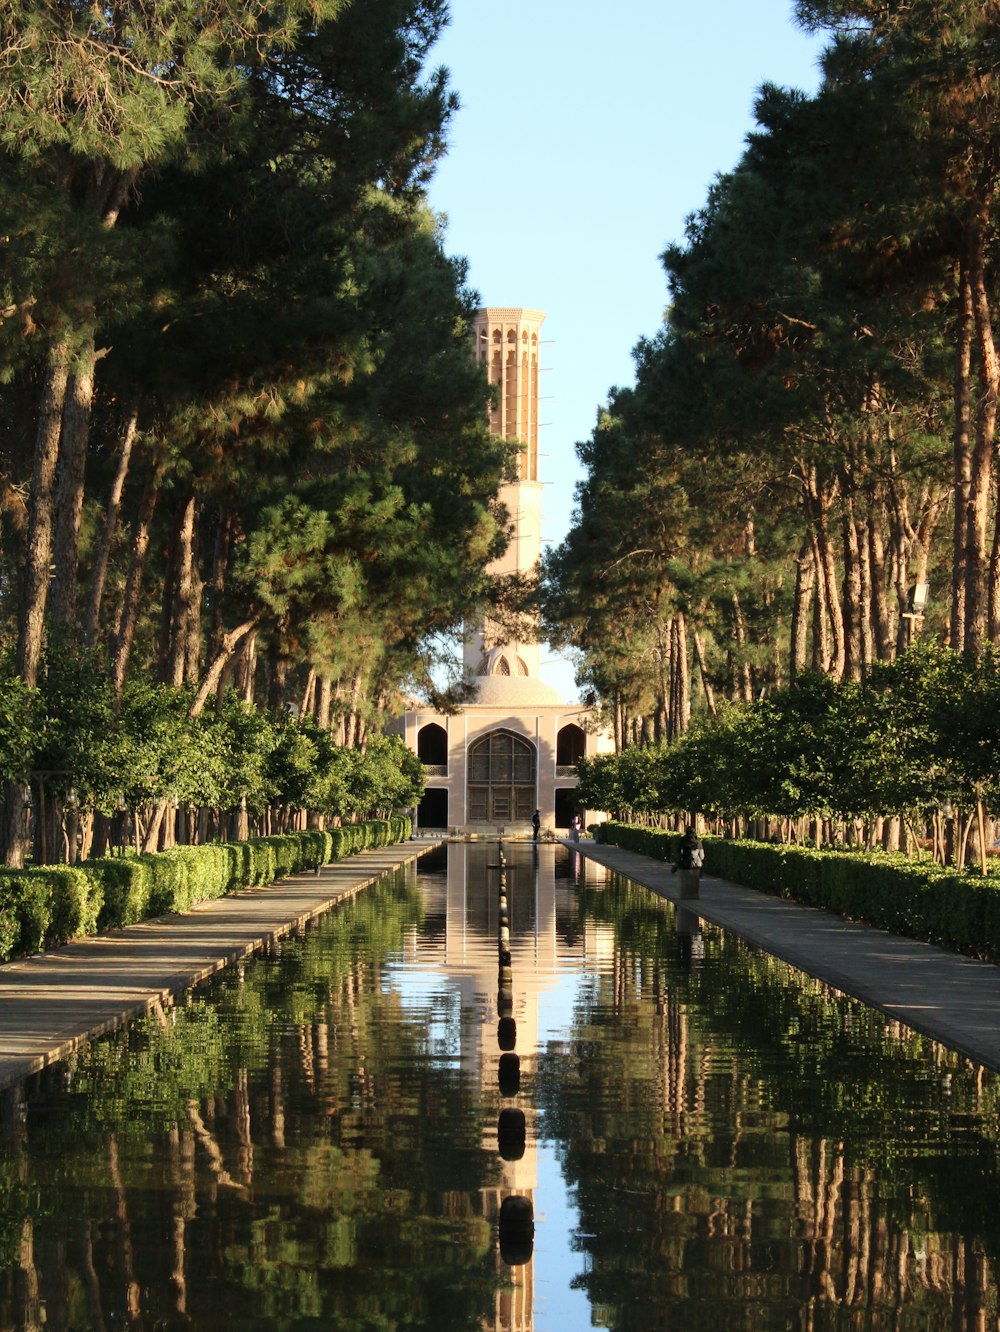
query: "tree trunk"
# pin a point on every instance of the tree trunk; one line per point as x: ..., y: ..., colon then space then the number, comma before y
x: 247, y: 669
x: 821, y: 619
x: 981, y: 474
x: 961, y: 449
x: 883, y: 640
x: 230, y: 642
x: 867, y: 608
x: 37, y: 565
x: 217, y: 581
x: 818, y: 505
x: 661, y: 719
x: 69, y: 490
x: 102, y: 555
x: 805, y: 588
x: 679, y: 633
x: 308, y: 693
x: 699, y: 652
x: 38, y: 554
x: 323, y: 702
x: 180, y: 602
x: 852, y: 595
x: 744, y: 678
x: 670, y: 686
x: 993, y: 583
x: 133, y: 581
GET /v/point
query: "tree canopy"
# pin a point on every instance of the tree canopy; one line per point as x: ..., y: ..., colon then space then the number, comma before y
x: 243, y: 443
x: 803, y: 476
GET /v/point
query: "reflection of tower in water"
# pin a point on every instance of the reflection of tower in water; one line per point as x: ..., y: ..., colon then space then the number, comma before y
x: 500, y: 1001
x: 513, y: 1201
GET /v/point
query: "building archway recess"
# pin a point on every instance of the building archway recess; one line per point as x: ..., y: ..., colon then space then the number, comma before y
x: 566, y: 806
x: 502, y: 779
x: 571, y: 745
x: 432, y: 745
x: 432, y: 812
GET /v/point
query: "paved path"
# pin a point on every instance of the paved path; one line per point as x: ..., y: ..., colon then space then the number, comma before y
x: 51, y: 1003
x: 947, y: 996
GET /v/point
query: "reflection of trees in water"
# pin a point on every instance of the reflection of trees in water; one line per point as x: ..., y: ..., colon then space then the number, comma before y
x: 754, y: 1150
x: 276, y: 1151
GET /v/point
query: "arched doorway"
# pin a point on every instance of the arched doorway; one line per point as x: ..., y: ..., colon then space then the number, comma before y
x: 566, y: 806
x: 432, y: 812
x: 502, y: 786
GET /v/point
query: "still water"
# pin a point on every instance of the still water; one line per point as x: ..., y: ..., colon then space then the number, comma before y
x: 642, y: 1124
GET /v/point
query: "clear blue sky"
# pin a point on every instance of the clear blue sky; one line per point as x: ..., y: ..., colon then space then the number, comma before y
x: 587, y: 134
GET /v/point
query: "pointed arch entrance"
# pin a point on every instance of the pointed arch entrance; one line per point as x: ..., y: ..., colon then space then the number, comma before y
x: 502, y: 783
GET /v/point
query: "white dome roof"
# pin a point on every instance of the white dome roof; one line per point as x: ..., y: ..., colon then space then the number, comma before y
x: 517, y: 692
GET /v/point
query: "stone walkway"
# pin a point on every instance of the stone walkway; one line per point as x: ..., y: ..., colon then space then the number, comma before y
x: 950, y: 998
x: 51, y: 1003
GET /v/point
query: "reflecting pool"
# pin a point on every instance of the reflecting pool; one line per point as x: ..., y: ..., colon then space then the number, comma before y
x: 503, y: 1089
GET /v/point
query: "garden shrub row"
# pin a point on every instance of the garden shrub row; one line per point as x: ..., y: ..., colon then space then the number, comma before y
x: 956, y: 910
x: 49, y: 905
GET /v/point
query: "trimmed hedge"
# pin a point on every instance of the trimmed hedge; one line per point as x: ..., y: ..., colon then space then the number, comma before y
x: 920, y: 900
x: 49, y: 905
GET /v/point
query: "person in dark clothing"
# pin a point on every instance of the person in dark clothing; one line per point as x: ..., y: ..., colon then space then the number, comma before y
x: 690, y: 853
x: 536, y: 825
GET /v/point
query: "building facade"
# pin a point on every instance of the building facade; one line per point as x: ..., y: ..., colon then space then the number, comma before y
x: 514, y: 748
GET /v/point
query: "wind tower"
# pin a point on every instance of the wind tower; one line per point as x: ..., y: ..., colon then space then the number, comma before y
x: 514, y: 746
x: 507, y: 342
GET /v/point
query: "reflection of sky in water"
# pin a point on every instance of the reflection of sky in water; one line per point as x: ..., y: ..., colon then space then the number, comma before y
x: 428, y: 998
x: 557, y: 1304
x: 556, y: 1006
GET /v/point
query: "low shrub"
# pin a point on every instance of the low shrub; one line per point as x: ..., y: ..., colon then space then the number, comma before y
x: 924, y: 901
x: 654, y: 842
x: 46, y: 906
x: 49, y: 905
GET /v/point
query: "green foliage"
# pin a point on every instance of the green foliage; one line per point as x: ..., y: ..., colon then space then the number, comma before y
x: 656, y: 843
x: 918, y: 732
x: 388, y: 776
x: 220, y: 209
x: 43, y: 907
x: 21, y: 728
x: 920, y: 901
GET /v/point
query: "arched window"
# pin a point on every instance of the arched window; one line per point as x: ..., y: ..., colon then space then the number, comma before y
x: 571, y: 745
x: 432, y: 744
x: 502, y: 785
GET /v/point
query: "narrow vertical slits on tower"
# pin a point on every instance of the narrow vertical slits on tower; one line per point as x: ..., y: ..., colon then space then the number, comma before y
x: 507, y: 339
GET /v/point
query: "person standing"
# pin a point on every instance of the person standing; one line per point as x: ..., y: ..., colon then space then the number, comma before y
x: 574, y: 827
x: 690, y: 858
x: 690, y: 852
x: 536, y: 825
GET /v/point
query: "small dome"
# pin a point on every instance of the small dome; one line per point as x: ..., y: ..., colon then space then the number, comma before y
x: 517, y: 692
